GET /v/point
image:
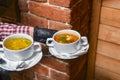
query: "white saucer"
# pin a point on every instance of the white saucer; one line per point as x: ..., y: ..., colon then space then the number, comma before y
x: 36, y: 57
x: 81, y: 51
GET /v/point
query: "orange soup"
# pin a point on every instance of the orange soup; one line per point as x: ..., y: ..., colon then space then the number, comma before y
x: 66, y: 38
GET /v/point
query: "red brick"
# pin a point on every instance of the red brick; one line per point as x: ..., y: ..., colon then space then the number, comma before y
x: 64, y: 3
x: 27, y: 74
x: 40, y: 70
x: 39, y: 77
x: 32, y: 20
x: 45, y: 50
x: 23, y: 5
x: 50, y: 12
x: 15, y: 76
x: 58, y: 25
x: 59, y: 76
x: 55, y: 64
x: 41, y: 0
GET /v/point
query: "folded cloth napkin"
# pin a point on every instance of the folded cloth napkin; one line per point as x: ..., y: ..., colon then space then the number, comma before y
x: 13, y: 65
x: 20, y: 65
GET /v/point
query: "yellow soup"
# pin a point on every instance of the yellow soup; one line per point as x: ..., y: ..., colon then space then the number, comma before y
x: 17, y: 43
x: 66, y: 38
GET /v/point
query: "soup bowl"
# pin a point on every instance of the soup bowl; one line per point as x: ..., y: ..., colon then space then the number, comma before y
x: 66, y: 41
x: 19, y: 47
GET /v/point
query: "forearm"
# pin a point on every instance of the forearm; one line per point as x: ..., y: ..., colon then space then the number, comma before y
x: 38, y: 34
x: 41, y: 34
x: 8, y: 29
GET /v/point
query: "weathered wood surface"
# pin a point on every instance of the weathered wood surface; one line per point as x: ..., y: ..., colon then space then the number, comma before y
x: 108, y: 63
x: 109, y: 49
x: 109, y: 33
x: 111, y: 3
x: 103, y: 74
x: 108, y: 46
x: 110, y: 16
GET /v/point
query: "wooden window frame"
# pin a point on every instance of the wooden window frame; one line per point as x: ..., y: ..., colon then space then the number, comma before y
x: 93, y: 37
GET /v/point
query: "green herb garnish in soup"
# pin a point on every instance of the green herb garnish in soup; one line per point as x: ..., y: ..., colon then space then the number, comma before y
x: 66, y: 38
x: 17, y: 43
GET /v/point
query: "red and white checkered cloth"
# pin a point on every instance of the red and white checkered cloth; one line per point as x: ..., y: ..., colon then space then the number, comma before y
x: 7, y: 29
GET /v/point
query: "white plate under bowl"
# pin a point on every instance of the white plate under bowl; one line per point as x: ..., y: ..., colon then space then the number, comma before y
x: 36, y: 57
x: 69, y: 56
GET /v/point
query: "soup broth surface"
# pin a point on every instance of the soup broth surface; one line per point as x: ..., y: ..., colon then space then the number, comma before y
x: 66, y: 38
x: 17, y: 43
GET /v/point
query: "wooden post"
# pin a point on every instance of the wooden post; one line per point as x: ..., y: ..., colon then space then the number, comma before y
x: 93, y: 35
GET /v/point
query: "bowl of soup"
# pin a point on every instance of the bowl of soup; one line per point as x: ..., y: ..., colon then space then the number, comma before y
x: 19, y: 47
x: 65, y: 41
x: 66, y: 38
x: 17, y: 43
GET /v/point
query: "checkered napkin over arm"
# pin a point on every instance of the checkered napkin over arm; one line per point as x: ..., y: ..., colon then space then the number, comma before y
x: 7, y: 29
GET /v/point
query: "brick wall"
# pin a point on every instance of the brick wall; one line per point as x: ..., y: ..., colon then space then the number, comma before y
x: 49, y: 68
x: 52, y: 68
x: 55, y: 14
